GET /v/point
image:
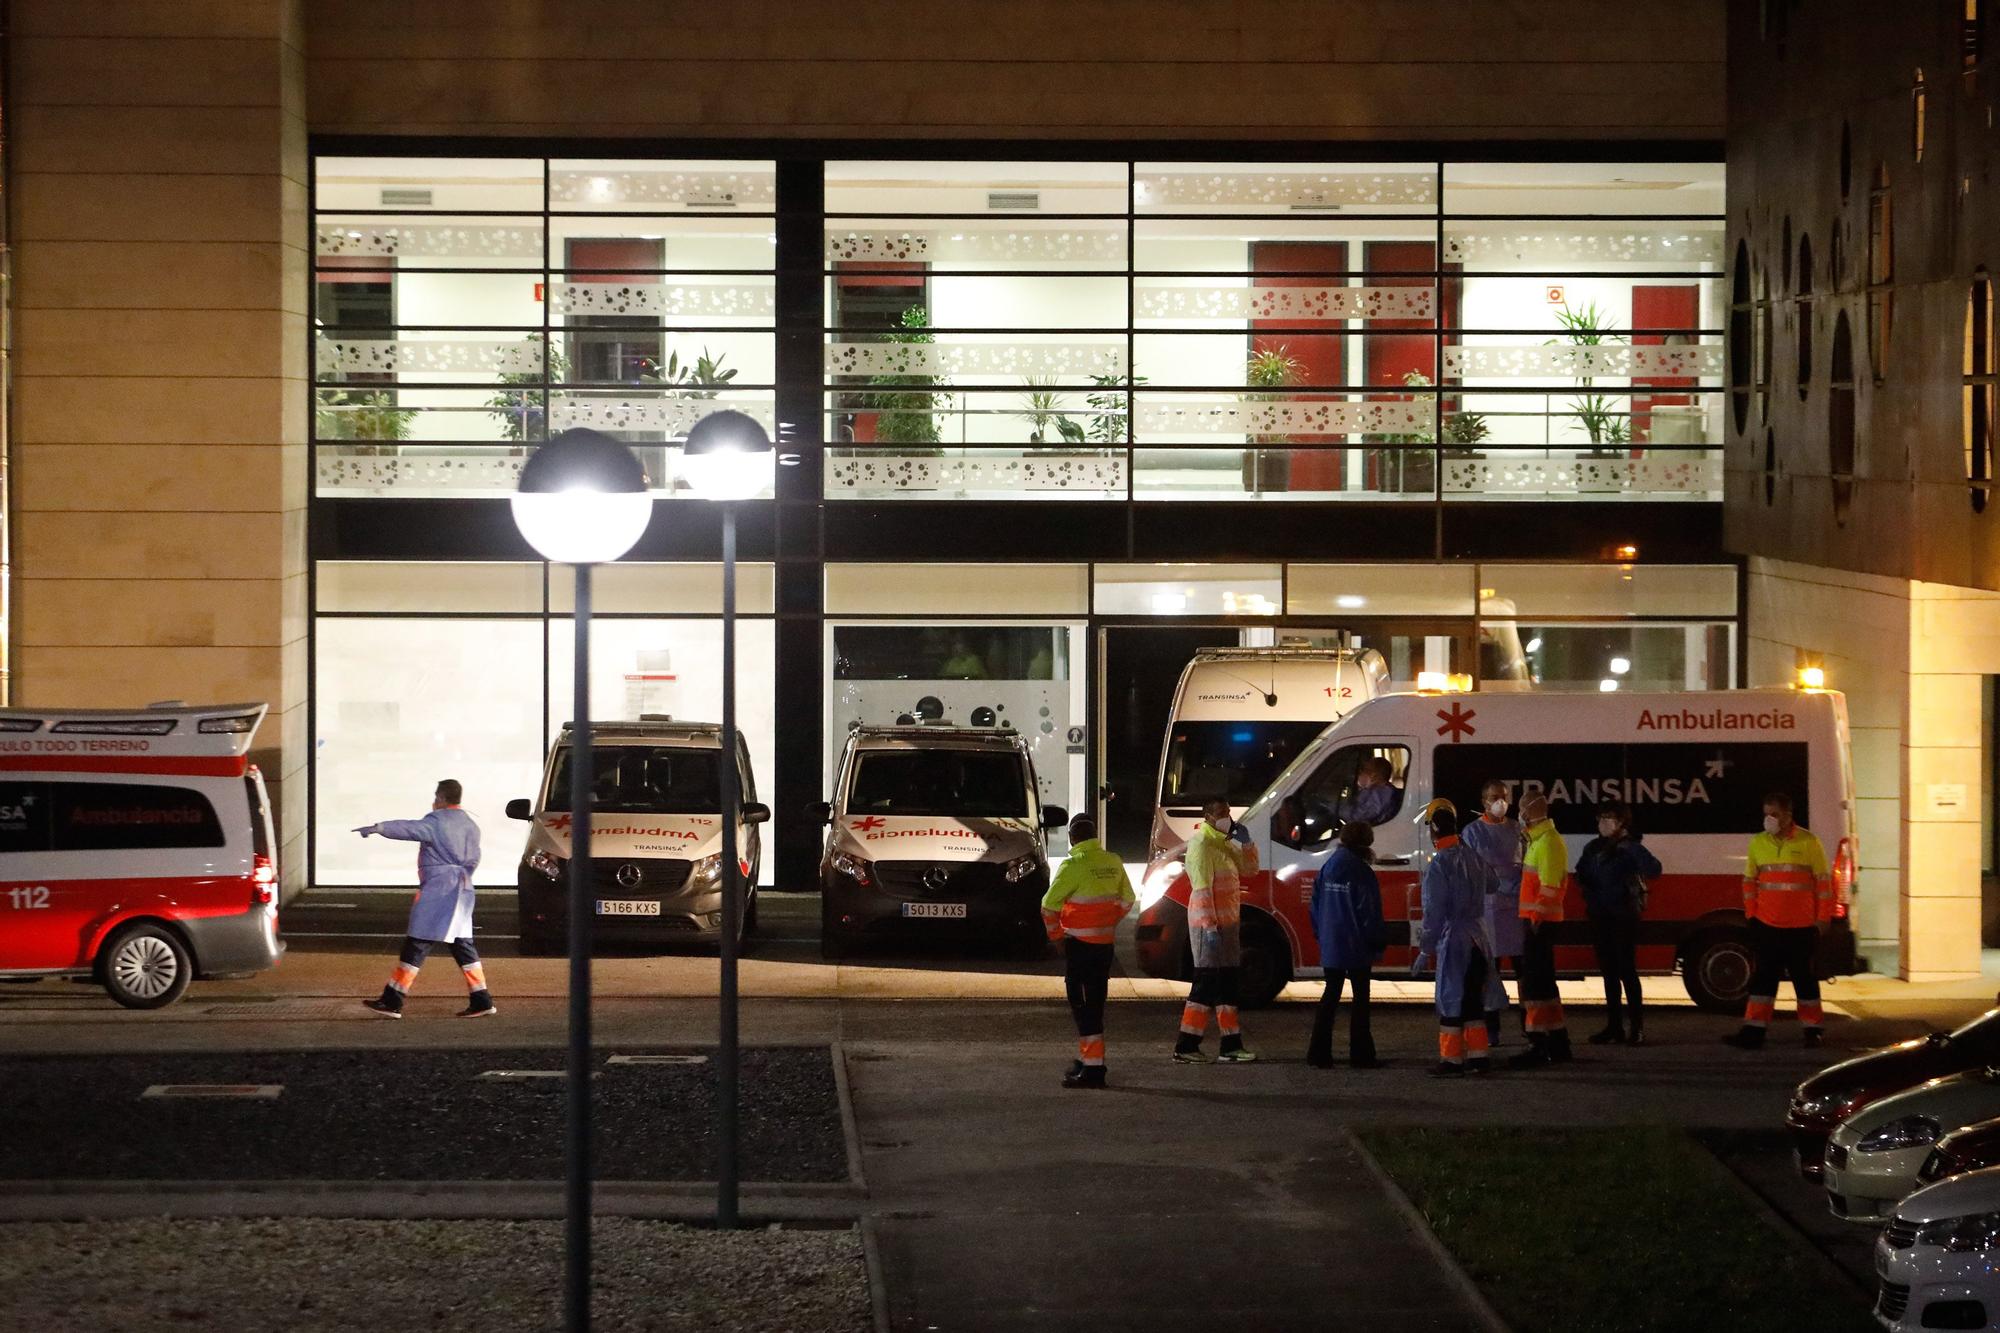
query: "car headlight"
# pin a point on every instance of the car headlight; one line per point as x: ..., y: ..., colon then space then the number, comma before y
x: 852, y: 866
x: 1835, y: 1104
x: 1021, y: 867
x: 707, y: 872
x: 1910, y: 1131
x: 1157, y: 882
x: 544, y: 863
x: 1976, y: 1231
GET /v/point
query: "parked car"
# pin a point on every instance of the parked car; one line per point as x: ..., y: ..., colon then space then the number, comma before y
x: 1874, y: 1156
x: 1962, y: 1151
x: 136, y: 849
x: 1830, y: 1096
x: 1938, y: 1258
x: 934, y: 830
x: 655, y: 837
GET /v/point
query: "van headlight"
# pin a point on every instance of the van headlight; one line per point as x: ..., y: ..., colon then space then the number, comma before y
x: 1021, y: 867
x: 544, y: 863
x: 1158, y: 880
x: 1910, y: 1131
x: 707, y: 872
x: 852, y: 866
x: 1977, y: 1231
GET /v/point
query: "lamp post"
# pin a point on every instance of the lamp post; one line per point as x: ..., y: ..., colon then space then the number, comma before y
x: 727, y: 457
x: 582, y: 501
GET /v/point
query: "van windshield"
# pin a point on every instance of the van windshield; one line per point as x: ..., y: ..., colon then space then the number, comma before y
x: 644, y: 780
x: 1235, y: 761
x: 958, y: 784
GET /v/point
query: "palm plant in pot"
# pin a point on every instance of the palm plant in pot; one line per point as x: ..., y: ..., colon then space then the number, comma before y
x: 1608, y: 429
x: 907, y: 402
x: 1269, y: 366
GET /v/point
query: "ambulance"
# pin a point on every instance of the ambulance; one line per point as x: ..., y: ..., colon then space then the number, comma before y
x: 1695, y: 769
x: 136, y: 849
x: 1241, y: 714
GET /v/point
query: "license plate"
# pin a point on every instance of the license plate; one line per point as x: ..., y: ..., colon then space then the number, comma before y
x: 953, y: 910
x: 626, y: 907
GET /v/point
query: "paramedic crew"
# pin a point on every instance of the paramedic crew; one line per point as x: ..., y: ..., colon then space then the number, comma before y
x: 1500, y: 842
x: 1787, y: 895
x: 1219, y: 855
x: 1544, y: 880
x: 1455, y: 887
x: 1088, y: 897
x: 1374, y: 792
x: 442, y: 913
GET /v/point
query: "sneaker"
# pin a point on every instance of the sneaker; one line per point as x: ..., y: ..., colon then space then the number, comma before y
x: 479, y: 1011
x: 1446, y: 1069
x: 1478, y: 1066
x: 1194, y: 1057
x: 1532, y: 1058
x: 1813, y: 1037
x: 1091, y: 1076
x: 1745, y: 1039
x: 1239, y: 1056
x: 1635, y: 1038
x: 382, y: 1009
x: 1608, y: 1037
x: 1075, y: 1068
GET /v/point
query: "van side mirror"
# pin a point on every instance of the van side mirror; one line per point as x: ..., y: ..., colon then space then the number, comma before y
x: 1054, y: 817
x: 820, y: 812
x: 756, y: 812
x: 521, y: 809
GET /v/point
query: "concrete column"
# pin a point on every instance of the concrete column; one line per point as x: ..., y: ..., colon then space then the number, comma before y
x: 160, y: 407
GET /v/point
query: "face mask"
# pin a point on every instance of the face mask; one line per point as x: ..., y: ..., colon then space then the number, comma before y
x: 1607, y: 828
x: 1498, y: 809
x: 1224, y: 824
x: 1771, y: 824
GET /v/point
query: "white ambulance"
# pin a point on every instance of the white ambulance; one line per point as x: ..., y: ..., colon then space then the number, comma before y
x: 136, y: 849
x: 1695, y: 769
x: 1241, y: 714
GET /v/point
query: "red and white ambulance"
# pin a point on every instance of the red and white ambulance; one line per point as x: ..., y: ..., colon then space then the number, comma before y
x: 1695, y: 769
x: 136, y: 849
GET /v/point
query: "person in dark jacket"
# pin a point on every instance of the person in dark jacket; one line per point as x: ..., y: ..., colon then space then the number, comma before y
x: 1347, y: 918
x: 1612, y: 872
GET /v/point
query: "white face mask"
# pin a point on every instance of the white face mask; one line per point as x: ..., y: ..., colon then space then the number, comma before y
x: 1224, y: 824
x: 1771, y: 824
x: 1497, y: 808
x: 1607, y: 828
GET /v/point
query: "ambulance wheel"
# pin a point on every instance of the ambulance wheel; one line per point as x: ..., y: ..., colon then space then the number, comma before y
x: 1716, y: 968
x: 1266, y: 962
x: 146, y: 967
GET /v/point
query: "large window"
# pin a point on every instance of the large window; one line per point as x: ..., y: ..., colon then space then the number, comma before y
x: 465, y: 309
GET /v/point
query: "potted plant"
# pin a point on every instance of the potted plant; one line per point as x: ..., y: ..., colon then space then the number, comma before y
x: 519, y: 408
x: 1269, y: 367
x: 1591, y: 327
x: 1110, y: 423
x: 1042, y: 415
x: 362, y: 414
x: 907, y: 406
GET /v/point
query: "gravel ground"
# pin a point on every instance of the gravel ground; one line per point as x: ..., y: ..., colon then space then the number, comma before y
x: 305, y: 1276
x: 407, y: 1116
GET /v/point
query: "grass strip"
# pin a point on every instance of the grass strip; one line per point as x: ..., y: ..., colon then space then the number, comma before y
x: 1632, y: 1228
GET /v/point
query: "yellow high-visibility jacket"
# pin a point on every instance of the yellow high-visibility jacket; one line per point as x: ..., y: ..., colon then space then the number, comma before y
x: 1785, y: 880
x: 1089, y: 895
x: 1544, y: 873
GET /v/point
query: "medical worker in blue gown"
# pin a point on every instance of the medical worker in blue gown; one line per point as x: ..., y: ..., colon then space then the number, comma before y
x: 448, y: 841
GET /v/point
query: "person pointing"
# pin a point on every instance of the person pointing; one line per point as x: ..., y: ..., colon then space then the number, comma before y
x: 442, y: 913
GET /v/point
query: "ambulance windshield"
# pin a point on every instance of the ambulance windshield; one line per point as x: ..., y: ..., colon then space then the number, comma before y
x: 1232, y: 760
x: 644, y: 780
x: 958, y: 784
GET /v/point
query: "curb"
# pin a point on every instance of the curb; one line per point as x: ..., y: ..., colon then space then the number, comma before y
x: 850, y: 1131
x: 1485, y: 1316
x: 878, y: 1287
x: 1775, y: 1218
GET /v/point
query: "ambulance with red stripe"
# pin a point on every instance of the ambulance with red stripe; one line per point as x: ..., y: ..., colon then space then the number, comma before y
x: 1695, y: 769
x: 136, y: 849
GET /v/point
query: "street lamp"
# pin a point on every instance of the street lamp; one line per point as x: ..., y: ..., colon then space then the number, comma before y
x: 582, y: 501
x: 727, y: 457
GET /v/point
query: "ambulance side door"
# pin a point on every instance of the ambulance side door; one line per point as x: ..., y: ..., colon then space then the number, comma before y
x: 1306, y: 822
x: 37, y: 930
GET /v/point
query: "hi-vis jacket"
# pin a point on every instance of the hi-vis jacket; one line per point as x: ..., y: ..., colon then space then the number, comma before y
x: 450, y: 840
x: 1089, y: 896
x: 1544, y: 873
x: 1785, y: 880
x: 1216, y: 865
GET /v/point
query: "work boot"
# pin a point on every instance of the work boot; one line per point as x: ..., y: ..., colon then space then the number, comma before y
x: 1813, y: 1037
x: 1187, y: 1051
x: 384, y: 1007
x: 1558, y: 1047
x: 1610, y: 1036
x: 1476, y: 1065
x: 1535, y: 1057
x: 479, y: 1004
x: 1075, y: 1068
x: 1446, y: 1069
x: 1746, y: 1039
x: 1088, y: 1076
x: 1636, y: 1037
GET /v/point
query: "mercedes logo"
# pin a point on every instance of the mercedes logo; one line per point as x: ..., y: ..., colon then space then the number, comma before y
x: 628, y: 876
x: 936, y: 878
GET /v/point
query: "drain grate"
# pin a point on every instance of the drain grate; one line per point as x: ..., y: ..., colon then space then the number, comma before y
x: 247, y: 1091
x: 657, y: 1060
x: 289, y: 1009
x: 531, y: 1075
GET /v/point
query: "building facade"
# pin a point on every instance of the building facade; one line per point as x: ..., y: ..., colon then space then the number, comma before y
x: 1176, y: 325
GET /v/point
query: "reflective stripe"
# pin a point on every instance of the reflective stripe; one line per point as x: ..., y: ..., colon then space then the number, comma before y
x: 402, y: 977
x: 1091, y: 1049
x: 475, y: 976
x: 1225, y: 1020
x: 1758, y: 1010
x: 1100, y: 912
x: 1545, y: 1016
x: 1476, y: 1042
x: 1090, y: 934
x: 1194, y: 1018
x: 1451, y: 1046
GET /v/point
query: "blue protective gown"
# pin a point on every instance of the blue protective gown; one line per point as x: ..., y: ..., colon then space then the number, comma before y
x: 1499, y: 843
x: 1456, y: 884
x: 449, y: 854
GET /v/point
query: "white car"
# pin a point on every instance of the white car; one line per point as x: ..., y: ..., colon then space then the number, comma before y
x: 1874, y: 1155
x: 1938, y: 1259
